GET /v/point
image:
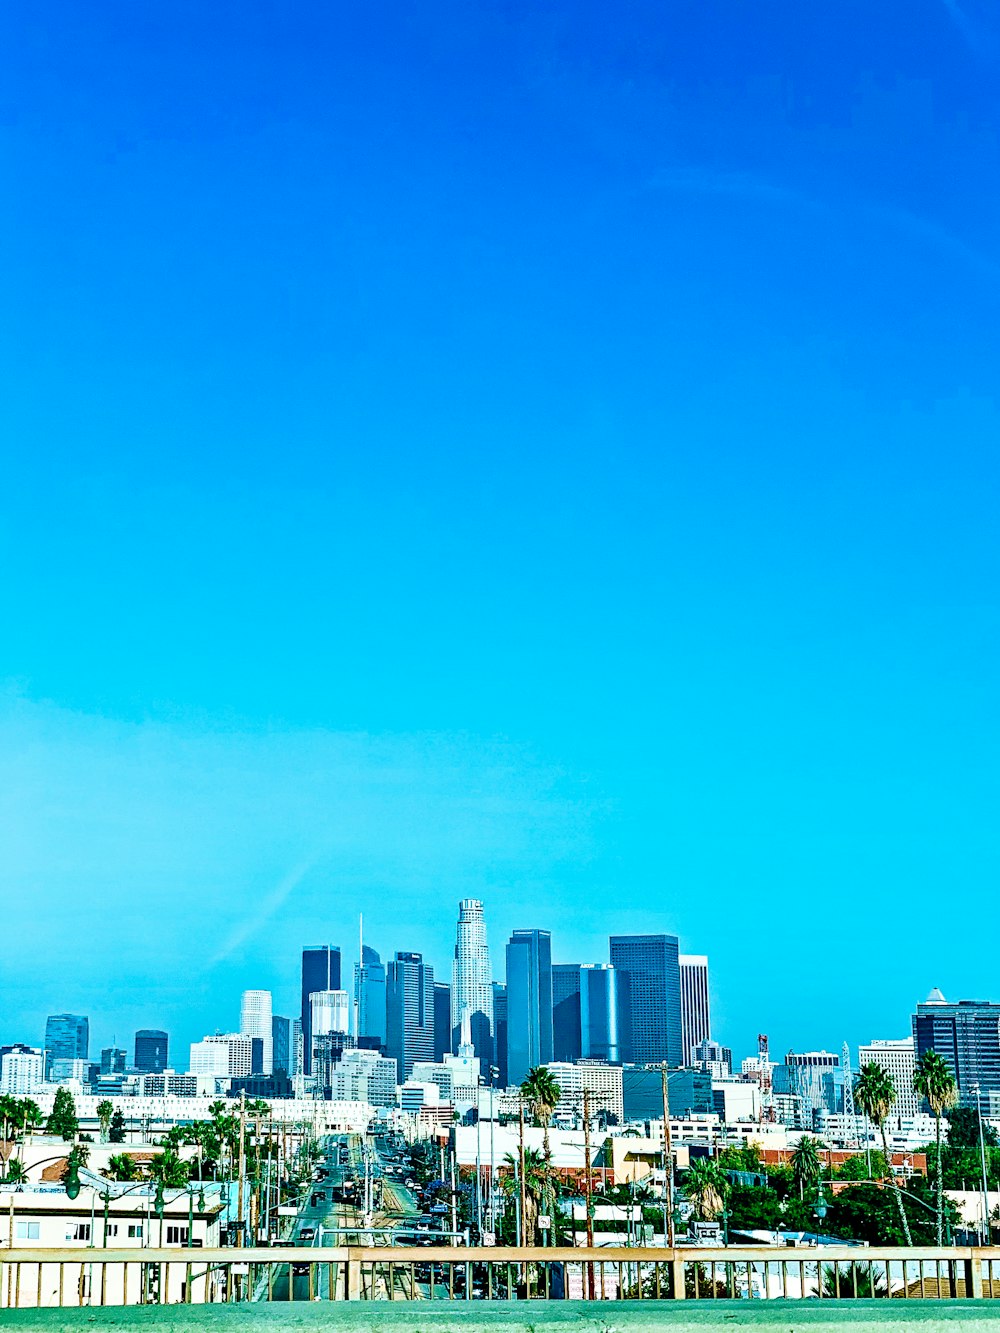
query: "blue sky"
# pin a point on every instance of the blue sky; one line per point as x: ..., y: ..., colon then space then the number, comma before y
x: 545, y: 452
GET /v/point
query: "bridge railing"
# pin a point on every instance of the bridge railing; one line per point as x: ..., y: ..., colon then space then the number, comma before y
x: 87, y: 1277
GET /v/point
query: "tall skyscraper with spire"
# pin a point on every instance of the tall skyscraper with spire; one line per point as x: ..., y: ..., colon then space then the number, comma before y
x: 472, y: 982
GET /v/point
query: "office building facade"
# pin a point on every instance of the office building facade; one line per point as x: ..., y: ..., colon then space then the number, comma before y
x: 966, y: 1035
x: 150, y: 1051
x: 369, y: 997
x: 67, y: 1037
x: 689, y: 1092
x: 409, y: 1011
x: 443, y: 1042
x: 696, y: 1025
x: 113, y: 1060
x: 567, y: 1039
x: 529, y: 1002
x: 898, y: 1059
x: 256, y: 1012
x: 320, y: 972
x: 600, y: 1013
x: 472, y: 982
x: 499, y: 1035
x: 651, y: 991
x: 22, y: 1070
x: 281, y: 1046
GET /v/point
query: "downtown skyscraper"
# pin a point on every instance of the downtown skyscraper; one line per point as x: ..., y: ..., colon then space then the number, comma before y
x: 409, y: 1018
x: 255, y: 1021
x: 529, y: 1002
x: 320, y: 972
x: 651, y: 990
x: 472, y: 982
x: 696, y: 1023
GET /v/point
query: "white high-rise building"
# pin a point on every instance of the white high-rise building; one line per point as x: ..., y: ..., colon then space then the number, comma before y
x: 898, y: 1059
x: 602, y: 1081
x: 696, y: 1025
x: 255, y: 1021
x: 22, y: 1071
x: 472, y: 982
x: 330, y: 1011
x: 226, y: 1055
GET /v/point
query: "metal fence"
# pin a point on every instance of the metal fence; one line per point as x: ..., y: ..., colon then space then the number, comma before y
x: 88, y: 1277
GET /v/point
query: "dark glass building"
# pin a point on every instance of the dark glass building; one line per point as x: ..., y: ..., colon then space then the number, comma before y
x: 650, y: 993
x: 689, y: 1092
x: 602, y: 1013
x: 113, y: 1060
x: 67, y: 1037
x: 369, y: 993
x: 967, y: 1037
x: 281, y: 1046
x: 566, y: 1036
x: 409, y: 1011
x: 500, y: 1033
x: 150, y: 1051
x: 442, y: 1020
x: 320, y: 971
x: 529, y: 1002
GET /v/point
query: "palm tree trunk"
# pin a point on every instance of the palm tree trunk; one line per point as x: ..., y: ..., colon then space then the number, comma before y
x: 899, y: 1197
x: 940, y: 1183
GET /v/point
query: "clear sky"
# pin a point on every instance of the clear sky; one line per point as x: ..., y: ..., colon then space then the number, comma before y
x: 538, y: 451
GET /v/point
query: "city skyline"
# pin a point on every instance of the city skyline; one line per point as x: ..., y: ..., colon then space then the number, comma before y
x: 742, y: 1043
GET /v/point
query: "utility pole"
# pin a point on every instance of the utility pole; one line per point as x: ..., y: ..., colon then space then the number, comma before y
x: 668, y: 1161
x: 588, y: 1191
x: 454, y: 1200
x: 242, y: 1166
x: 520, y: 1157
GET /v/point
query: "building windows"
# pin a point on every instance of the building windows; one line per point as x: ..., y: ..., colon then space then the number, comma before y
x: 26, y: 1230
x: 177, y: 1235
x: 111, y: 1229
x: 78, y: 1231
x: 135, y: 1231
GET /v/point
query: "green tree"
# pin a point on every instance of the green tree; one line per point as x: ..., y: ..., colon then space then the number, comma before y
x: 121, y: 1167
x: 874, y: 1096
x: 856, y: 1166
x: 63, y: 1122
x: 172, y: 1170
x: 539, y: 1188
x: 541, y: 1092
x: 806, y: 1167
x: 934, y: 1081
x: 17, y: 1172
x: 105, y: 1110
x: 705, y: 1187
x: 116, y: 1130
x: 28, y: 1115
x: 963, y: 1129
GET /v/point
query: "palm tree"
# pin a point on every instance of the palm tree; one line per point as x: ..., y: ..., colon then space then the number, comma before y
x: 121, y: 1167
x: 704, y: 1185
x: 541, y: 1092
x: 105, y: 1110
x: 539, y: 1187
x: 806, y: 1164
x: 8, y: 1115
x: 170, y: 1169
x: 17, y: 1172
x: 874, y: 1095
x: 935, y: 1082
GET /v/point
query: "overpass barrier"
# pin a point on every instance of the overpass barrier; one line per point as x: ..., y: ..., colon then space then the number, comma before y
x: 81, y: 1277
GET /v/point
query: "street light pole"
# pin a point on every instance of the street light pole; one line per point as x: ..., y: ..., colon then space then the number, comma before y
x: 982, y: 1158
